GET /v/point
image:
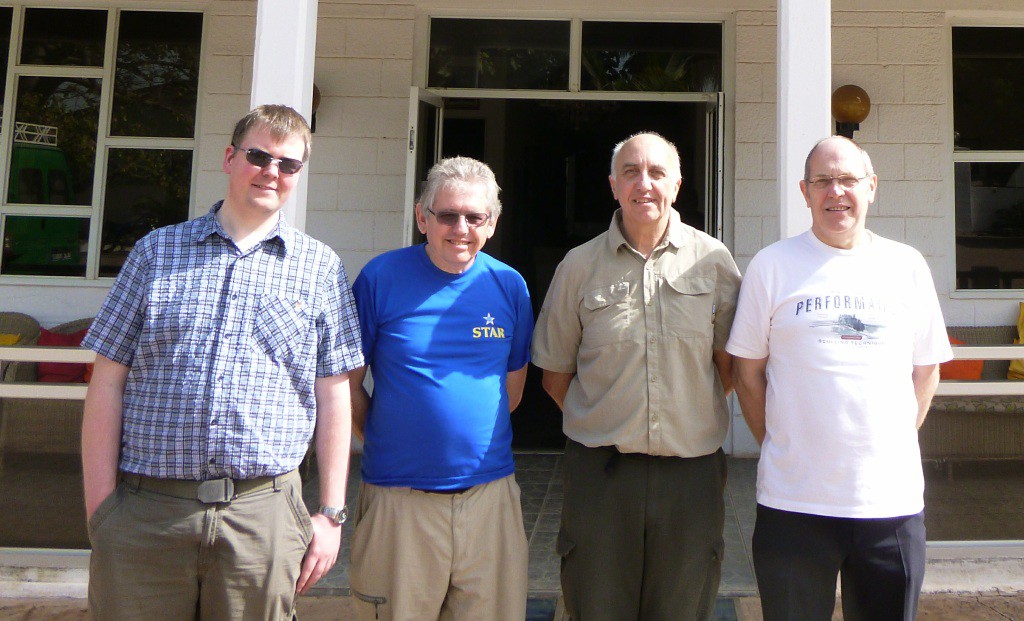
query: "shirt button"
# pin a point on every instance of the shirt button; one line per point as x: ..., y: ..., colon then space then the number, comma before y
x: 653, y: 340
x: 234, y: 296
x: 654, y: 378
x: 212, y: 461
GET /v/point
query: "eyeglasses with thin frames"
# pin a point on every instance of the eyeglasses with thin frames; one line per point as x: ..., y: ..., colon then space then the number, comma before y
x: 847, y: 182
x: 451, y: 218
x: 262, y: 159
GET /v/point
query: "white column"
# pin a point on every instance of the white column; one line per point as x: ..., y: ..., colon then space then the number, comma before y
x: 805, y: 91
x: 282, y: 71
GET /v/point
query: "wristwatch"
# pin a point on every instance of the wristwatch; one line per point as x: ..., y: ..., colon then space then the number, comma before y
x: 334, y: 514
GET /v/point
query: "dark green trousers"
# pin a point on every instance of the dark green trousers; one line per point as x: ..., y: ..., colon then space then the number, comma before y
x: 641, y: 536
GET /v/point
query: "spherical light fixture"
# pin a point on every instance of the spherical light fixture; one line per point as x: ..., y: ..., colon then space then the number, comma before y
x: 850, y: 106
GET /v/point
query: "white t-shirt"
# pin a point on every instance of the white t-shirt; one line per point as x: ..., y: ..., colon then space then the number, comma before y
x: 842, y: 330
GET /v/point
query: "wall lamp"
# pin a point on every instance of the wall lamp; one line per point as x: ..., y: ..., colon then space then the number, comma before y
x: 316, y: 105
x: 850, y: 106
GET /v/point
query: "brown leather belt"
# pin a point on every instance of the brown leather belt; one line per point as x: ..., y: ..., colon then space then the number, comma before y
x: 208, y: 492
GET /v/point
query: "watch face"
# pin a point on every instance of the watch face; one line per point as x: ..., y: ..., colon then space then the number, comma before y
x: 336, y: 515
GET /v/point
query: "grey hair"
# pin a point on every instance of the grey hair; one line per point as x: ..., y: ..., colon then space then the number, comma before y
x: 868, y: 168
x: 674, y: 162
x: 461, y: 171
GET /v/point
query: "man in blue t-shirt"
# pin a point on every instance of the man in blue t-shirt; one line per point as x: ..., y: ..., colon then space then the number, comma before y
x: 446, y: 330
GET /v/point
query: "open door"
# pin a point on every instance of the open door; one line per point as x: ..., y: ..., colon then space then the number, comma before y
x: 426, y: 117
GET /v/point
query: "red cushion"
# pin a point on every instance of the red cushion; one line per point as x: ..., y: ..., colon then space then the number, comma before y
x: 61, y: 371
x: 961, y: 369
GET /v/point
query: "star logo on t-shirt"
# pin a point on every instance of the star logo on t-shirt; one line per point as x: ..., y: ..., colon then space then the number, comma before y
x: 489, y: 319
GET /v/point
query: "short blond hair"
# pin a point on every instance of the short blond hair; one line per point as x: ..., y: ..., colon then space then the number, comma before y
x: 281, y: 121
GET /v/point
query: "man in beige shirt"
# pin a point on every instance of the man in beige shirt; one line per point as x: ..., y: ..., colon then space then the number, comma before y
x: 631, y: 339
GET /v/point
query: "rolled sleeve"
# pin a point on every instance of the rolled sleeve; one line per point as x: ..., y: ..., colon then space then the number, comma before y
x: 114, y: 333
x: 557, y: 336
x: 727, y: 291
x: 340, y: 346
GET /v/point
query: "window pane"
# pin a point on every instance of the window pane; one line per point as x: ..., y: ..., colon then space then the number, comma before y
x: 499, y: 53
x: 45, y: 245
x: 55, y: 134
x: 157, y: 76
x: 989, y: 225
x: 665, y: 57
x: 64, y: 37
x: 146, y: 189
x: 988, y: 88
x: 5, y: 42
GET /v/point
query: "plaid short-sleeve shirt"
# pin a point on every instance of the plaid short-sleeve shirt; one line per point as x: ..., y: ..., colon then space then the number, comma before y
x: 223, y: 348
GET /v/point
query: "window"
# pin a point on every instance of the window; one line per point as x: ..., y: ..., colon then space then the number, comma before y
x: 92, y: 167
x: 495, y: 53
x: 988, y: 86
x: 666, y: 57
x: 663, y: 57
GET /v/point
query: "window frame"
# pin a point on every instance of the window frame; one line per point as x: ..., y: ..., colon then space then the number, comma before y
x: 969, y: 20
x: 104, y: 141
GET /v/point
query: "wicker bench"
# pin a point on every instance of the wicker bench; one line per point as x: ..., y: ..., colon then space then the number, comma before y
x: 977, y: 426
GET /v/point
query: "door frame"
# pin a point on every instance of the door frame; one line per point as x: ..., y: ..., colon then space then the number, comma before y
x: 715, y: 176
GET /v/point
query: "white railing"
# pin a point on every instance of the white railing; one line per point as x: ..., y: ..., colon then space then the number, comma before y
x: 44, y: 390
x: 1000, y: 387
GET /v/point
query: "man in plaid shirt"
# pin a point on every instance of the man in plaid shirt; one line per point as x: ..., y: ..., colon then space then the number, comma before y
x: 225, y: 342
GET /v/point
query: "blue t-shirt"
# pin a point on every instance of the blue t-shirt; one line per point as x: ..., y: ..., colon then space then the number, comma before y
x: 439, y: 346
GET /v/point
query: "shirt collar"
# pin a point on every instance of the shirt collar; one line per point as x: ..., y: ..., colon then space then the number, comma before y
x: 674, y: 236
x: 207, y: 225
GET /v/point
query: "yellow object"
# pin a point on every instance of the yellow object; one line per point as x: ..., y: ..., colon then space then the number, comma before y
x: 9, y: 339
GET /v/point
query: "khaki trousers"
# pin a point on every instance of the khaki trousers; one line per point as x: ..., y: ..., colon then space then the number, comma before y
x: 421, y: 555
x: 158, y: 557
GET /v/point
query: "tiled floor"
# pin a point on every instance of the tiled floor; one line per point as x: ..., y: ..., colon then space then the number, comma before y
x: 540, y: 479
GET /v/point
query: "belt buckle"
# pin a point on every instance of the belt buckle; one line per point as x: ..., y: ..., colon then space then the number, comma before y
x: 216, y: 490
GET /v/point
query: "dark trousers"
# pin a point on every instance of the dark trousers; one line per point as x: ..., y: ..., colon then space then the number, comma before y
x: 797, y: 557
x: 641, y: 536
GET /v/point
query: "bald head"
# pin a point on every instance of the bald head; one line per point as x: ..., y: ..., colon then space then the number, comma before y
x: 868, y: 169
x: 673, y: 154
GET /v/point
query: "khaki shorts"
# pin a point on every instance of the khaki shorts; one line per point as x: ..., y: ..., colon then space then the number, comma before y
x: 157, y: 557
x: 423, y: 555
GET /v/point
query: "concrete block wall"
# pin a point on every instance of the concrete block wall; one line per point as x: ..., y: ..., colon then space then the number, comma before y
x: 357, y: 173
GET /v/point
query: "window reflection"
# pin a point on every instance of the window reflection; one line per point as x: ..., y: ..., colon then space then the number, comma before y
x: 146, y: 189
x: 64, y: 37
x: 988, y: 84
x: 157, y: 75
x: 45, y: 245
x: 55, y: 134
x: 654, y: 57
x: 497, y: 53
x: 989, y: 225
x: 5, y: 44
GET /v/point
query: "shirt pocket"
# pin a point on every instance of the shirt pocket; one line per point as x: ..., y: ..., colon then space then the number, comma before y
x: 177, y: 313
x: 283, y: 328
x: 688, y: 305
x: 607, y: 314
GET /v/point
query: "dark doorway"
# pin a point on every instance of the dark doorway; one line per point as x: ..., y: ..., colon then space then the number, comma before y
x: 552, y: 159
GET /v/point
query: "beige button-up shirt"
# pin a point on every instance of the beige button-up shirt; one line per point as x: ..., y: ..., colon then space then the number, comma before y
x: 638, y: 334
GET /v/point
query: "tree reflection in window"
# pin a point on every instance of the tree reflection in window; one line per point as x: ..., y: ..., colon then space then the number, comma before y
x: 67, y: 37
x: 157, y: 74
x: 654, y: 57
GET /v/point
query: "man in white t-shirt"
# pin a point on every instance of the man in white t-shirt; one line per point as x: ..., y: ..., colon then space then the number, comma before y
x: 837, y: 340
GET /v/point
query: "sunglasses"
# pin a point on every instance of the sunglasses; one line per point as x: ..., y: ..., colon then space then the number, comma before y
x: 451, y: 218
x: 262, y: 159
